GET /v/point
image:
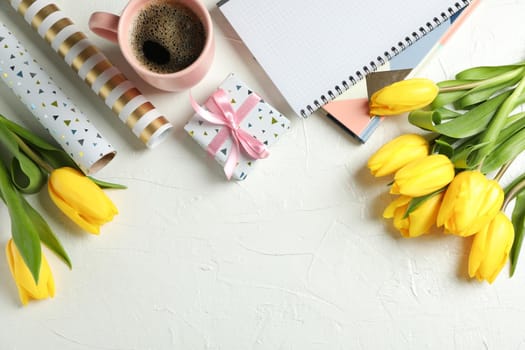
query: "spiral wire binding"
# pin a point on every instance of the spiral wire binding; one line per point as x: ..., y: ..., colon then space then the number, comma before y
x: 380, y: 60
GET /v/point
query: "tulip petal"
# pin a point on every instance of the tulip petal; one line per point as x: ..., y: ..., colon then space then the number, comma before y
x: 25, y: 283
x: 424, y: 216
x: 81, y: 199
x: 396, y: 153
x: 73, y: 214
x: 470, y: 203
x: 423, y: 176
x: 403, y: 96
x: 82, y: 194
x: 401, y: 201
x: 10, y: 258
x: 476, y: 253
x: 23, y: 296
x: 11, y: 254
x: 490, y: 248
x: 51, y: 287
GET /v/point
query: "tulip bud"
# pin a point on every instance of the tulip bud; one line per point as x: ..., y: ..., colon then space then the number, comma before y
x: 470, y: 203
x: 490, y: 248
x: 423, y: 176
x: 27, y: 288
x: 403, y: 96
x: 396, y: 153
x: 80, y: 199
x: 417, y: 222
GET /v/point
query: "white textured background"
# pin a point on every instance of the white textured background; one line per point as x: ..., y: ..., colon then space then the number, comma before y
x: 295, y: 257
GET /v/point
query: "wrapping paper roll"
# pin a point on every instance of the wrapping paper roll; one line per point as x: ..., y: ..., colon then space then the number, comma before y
x: 51, y: 107
x: 95, y: 69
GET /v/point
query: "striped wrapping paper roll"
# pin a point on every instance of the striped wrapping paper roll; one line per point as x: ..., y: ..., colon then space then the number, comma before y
x: 95, y: 69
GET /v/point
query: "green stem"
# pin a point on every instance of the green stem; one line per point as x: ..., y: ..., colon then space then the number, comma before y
x: 460, y: 87
x: 23, y: 231
x: 32, y: 154
x: 488, y: 138
x: 502, y: 170
x: 509, y: 196
x: 512, y: 189
x: 486, y: 83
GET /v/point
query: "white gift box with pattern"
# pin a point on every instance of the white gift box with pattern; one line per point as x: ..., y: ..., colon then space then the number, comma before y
x: 261, y: 121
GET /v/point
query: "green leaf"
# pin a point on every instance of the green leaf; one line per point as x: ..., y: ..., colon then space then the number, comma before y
x: 515, y: 118
x: 518, y: 221
x: 423, y: 119
x: 473, y: 121
x: 25, y: 235
x: 417, y: 201
x: 486, y: 72
x: 55, y: 156
x: 462, y: 150
x: 106, y: 184
x: 25, y: 134
x: 443, y: 145
x: 504, y: 152
x: 448, y: 97
x: 476, y: 96
x: 492, y: 79
x: 46, y: 234
x: 498, y: 122
x: 468, y: 124
x: 427, y: 119
x: 26, y: 175
x: 447, y: 114
x: 513, y: 125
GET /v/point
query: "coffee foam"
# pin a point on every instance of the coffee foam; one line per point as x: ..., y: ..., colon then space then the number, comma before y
x: 177, y: 33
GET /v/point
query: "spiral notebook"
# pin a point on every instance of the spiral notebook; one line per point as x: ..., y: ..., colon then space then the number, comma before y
x: 314, y: 50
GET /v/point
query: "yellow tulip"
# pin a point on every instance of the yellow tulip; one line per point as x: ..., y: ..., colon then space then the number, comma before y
x: 27, y: 288
x: 490, y: 248
x: 396, y: 153
x: 419, y: 221
x: 80, y: 199
x: 470, y: 203
x: 403, y: 96
x: 423, y: 176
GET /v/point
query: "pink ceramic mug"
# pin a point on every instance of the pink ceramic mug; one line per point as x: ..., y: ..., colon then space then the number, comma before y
x: 158, y: 61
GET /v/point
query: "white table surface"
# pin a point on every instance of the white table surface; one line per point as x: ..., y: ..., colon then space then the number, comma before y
x: 295, y: 257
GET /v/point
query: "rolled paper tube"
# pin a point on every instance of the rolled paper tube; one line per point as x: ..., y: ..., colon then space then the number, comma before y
x: 51, y: 107
x: 95, y: 69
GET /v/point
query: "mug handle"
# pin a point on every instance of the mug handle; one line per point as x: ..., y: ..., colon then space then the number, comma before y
x: 105, y: 25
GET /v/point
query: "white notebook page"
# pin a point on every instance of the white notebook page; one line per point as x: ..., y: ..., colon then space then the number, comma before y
x: 308, y: 47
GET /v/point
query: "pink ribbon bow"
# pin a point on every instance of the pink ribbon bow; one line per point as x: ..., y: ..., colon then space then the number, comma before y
x: 220, y: 112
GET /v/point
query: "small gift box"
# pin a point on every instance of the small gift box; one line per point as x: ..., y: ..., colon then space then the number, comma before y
x: 236, y: 127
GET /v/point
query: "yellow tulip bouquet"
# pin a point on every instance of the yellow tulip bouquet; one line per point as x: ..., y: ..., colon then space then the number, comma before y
x: 450, y: 176
x: 33, y: 162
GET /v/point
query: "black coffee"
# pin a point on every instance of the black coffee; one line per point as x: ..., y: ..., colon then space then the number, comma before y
x: 167, y: 37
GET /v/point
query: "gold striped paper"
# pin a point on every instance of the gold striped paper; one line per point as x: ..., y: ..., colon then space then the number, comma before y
x: 141, y: 110
x: 95, y: 72
x: 123, y: 100
x: 152, y: 127
x: 56, y: 28
x: 82, y: 57
x: 24, y: 5
x: 42, y: 14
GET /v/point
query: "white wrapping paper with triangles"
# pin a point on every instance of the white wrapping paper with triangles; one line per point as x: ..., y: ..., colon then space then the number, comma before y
x: 263, y: 122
